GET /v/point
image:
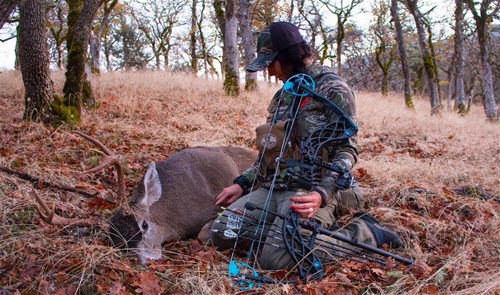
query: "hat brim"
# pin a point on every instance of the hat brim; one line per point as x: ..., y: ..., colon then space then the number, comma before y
x: 261, y: 62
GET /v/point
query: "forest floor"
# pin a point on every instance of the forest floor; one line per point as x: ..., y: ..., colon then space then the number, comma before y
x: 435, y: 179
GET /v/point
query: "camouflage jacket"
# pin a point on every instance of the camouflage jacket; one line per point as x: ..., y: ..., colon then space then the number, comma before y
x: 311, y: 114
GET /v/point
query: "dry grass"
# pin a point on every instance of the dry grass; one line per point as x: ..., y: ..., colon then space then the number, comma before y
x: 411, y: 166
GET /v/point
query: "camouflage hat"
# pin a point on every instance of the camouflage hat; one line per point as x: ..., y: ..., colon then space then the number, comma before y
x: 273, y: 39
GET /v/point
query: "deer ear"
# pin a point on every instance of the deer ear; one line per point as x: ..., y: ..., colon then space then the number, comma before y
x: 152, y: 186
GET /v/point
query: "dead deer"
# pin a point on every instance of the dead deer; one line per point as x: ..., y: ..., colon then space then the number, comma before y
x: 175, y: 198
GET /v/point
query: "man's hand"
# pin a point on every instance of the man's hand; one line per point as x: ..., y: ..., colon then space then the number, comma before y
x: 306, y: 205
x: 229, y: 195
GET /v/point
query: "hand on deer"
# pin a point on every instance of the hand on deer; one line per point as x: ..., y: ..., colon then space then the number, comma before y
x: 229, y: 195
x: 306, y: 205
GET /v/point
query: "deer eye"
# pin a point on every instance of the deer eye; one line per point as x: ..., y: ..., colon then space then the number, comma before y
x: 144, y: 225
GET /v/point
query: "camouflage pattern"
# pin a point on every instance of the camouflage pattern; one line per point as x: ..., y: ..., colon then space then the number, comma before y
x: 265, y: 53
x: 311, y: 115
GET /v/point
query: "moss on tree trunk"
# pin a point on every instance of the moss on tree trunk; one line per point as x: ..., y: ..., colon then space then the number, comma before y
x: 65, y: 112
x: 251, y: 85
x: 77, y: 89
x: 231, y: 85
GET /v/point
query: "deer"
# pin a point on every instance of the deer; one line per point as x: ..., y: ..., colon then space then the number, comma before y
x: 175, y: 198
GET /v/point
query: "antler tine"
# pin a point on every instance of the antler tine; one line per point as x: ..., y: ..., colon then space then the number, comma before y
x: 43, y: 210
x: 48, y: 215
x: 94, y: 141
x: 108, y: 159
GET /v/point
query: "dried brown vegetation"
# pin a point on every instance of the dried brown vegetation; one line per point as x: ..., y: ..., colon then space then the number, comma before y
x: 436, y: 179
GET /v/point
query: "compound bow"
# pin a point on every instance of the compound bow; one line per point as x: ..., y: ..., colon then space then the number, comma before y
x: 301, y: 248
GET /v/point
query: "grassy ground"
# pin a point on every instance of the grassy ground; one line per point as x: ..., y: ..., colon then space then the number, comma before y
x: 435, y: 179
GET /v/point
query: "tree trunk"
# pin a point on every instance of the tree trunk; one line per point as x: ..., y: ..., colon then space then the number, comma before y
x: 304, y: 11
x: 433, y: 56
x: 384, y: 67
x: 34, y: 57
x: 77, y: 89
x: 460, y: 58
x: 249, y: 44
x: 487, y: 76
x: 17, y: 64
x: 483, y: 20
x: 429, y: 66
x: 95, y: 52
x: 402, y: 53
x: 207, y: 60
x: 451, y: 83
x: 192, y: 38
x: 221, y: 21
x: 59, y: 35
x: 338, y: 39
x: 95, y: 38
x: 343, y: 11
x: 232, y: 76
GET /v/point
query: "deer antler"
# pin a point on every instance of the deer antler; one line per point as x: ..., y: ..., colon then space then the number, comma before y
x: 49, y: 216
x: 108, y: 159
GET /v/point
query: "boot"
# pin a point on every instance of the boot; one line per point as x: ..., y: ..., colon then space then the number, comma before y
x: 383, y: 234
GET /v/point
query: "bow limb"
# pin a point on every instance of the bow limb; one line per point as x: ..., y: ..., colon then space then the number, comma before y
x: 242, y: 274
x: 308, y: 263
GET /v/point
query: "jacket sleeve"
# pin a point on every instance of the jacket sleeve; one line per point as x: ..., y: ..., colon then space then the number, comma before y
x: 249, y: 176
x: 343, y: 153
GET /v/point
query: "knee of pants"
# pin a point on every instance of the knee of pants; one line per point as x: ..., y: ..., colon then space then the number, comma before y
x: 348, y: 200
x: 275, y: 258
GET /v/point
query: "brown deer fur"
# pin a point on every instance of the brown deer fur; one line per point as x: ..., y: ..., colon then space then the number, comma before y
x: 175, y: 199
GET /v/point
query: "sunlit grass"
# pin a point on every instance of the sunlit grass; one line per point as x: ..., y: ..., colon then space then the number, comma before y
x: 411, y: 166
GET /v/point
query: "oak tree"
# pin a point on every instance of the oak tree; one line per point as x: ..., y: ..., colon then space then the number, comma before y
x: 34, y: 60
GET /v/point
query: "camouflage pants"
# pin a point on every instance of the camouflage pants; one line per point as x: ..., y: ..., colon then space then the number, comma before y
x: 273, y: 255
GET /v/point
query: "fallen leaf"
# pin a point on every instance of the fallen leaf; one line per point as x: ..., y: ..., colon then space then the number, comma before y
x: 100, y: 203
x: 420, y: 269
x: 148, y: 284
x: 117, y: 289
x: 430, y: 289
x: 390, y: 263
